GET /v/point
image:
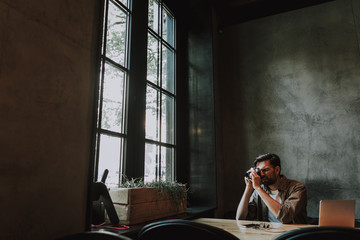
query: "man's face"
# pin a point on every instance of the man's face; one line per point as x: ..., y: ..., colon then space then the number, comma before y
x: 268, y: 172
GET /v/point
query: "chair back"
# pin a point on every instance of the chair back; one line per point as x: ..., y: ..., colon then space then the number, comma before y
x: 182, y: 229
x: 94, y: 235
x: 321, y: 233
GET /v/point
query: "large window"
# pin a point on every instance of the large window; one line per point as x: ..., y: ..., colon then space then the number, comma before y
x: 115, y: 78
x: 160, y: 94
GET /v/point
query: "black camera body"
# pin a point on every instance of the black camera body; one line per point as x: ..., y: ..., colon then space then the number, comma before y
x: 257, y: 170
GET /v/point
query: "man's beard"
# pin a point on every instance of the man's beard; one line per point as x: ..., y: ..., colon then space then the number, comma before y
x: 268, y: 181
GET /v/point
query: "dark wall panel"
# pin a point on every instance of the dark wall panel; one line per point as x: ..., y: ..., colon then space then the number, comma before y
x: 202, y: 167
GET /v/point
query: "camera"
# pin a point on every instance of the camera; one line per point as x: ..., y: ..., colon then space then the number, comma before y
x: 257, y: 170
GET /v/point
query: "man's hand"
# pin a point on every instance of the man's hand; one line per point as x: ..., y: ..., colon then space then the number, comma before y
x: 249, y: 184
x: 242, y: 209
x: 255, y: 179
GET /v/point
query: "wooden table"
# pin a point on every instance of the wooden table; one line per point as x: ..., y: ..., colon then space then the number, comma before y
x: 236, y: 227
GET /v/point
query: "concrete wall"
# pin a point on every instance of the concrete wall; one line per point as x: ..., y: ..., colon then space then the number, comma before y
x: 289, y: 84
x: 46, y: 105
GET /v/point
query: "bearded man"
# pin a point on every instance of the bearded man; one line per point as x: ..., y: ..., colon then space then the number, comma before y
x: 272, y: 197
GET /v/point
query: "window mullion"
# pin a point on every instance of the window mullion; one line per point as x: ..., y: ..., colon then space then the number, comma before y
x: 135, y: 142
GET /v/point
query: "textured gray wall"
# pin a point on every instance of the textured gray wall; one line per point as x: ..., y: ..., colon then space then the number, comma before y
x: 46, y: 103
x: 290, y: 84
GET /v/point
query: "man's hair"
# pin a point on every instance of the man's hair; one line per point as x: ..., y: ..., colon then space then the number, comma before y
x: 273, y: 158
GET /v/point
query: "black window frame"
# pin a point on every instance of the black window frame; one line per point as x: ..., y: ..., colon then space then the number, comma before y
x: 134, y: 146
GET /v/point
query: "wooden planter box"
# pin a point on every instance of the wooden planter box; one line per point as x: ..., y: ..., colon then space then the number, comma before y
x: 137, y: 205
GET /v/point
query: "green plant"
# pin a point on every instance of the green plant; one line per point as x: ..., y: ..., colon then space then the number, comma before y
x: 176, y: 191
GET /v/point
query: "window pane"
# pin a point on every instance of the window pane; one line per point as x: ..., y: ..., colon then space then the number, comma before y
x: 152, y: 114
x: 151, y: 162
x: 168, y: 27
x: 167, y: 119
x: 113, y: 91
x: 167, y: 156
x: 153, y: 59
x: 116, y: 35
x: 110, y: 158
x: 153, y: 16
x: 167, y: 69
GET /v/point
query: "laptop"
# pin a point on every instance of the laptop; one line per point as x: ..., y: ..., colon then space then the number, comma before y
x: 337, y: 213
